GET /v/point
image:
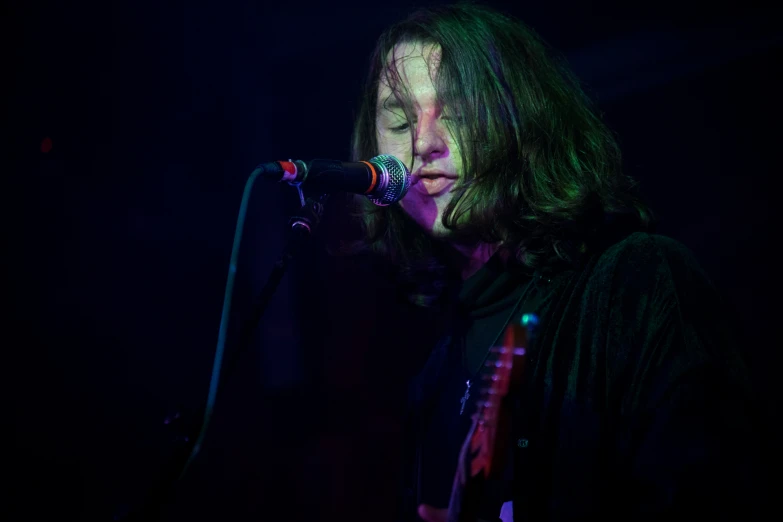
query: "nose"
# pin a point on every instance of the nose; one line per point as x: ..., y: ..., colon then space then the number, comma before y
x: 431, y: 141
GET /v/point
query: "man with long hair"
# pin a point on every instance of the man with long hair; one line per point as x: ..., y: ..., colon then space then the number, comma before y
x: 633, y: 400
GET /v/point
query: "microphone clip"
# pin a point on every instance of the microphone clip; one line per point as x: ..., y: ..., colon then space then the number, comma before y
x: 309, y: 215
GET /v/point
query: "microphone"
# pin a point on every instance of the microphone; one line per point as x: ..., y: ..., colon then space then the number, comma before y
x: 384, y: 179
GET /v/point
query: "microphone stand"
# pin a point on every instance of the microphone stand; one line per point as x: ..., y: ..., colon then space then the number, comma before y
x: 183, y: 429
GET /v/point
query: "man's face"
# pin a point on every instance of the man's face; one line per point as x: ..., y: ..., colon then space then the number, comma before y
x: 436, y: 158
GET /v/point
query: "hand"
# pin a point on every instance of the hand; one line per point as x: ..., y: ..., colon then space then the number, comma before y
x: 433, y: 514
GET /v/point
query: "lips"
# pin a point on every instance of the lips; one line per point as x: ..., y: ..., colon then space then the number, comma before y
x: 433, y: 183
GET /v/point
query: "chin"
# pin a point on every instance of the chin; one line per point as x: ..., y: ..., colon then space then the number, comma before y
x: 438, y: 231
x: 429, y: 224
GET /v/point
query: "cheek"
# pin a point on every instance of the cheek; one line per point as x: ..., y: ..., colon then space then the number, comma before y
x: 394, y: 145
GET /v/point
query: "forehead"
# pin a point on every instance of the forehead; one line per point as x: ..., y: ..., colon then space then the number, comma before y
x: 410, y: 72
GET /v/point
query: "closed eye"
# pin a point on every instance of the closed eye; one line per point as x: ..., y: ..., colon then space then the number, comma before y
x: 400, y: 128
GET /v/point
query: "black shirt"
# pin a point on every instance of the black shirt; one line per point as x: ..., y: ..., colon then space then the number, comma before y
x: 486, y: 303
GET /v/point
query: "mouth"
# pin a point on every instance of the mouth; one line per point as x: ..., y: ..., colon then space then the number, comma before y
x: 433, y: 183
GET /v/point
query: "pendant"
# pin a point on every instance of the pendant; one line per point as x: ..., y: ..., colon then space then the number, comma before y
x: 464, y: 399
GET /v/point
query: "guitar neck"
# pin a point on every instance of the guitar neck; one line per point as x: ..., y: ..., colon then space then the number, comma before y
x: 484, y: 454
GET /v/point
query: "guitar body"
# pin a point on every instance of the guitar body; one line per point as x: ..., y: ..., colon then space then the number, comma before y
x: 485, y: 451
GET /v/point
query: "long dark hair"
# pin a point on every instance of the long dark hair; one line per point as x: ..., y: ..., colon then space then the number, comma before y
x: 542, y: 172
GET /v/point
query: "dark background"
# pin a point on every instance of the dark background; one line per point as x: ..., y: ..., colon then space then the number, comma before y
x: 118, y: 238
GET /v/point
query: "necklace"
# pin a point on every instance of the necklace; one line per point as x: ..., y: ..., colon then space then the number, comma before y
x: 464, y: 399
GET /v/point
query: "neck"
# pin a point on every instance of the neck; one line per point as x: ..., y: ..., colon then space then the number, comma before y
x: 472, y: 257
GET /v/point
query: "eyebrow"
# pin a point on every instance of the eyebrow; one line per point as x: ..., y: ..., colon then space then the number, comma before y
x: 391, y: 103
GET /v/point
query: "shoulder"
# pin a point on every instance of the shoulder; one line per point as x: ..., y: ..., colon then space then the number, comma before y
x: 648, y: 282
x: 647, y: 259
x: 654, y: 295
x: 642, y: 248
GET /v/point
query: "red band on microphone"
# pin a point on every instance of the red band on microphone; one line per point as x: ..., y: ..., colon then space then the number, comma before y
x: 374, y: 177
x: 290, y: 170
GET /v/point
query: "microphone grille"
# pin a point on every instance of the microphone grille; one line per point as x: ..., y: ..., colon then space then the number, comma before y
x: 394, y: 182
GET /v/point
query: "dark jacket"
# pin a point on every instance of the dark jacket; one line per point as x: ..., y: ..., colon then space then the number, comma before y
x: 635, y: 402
